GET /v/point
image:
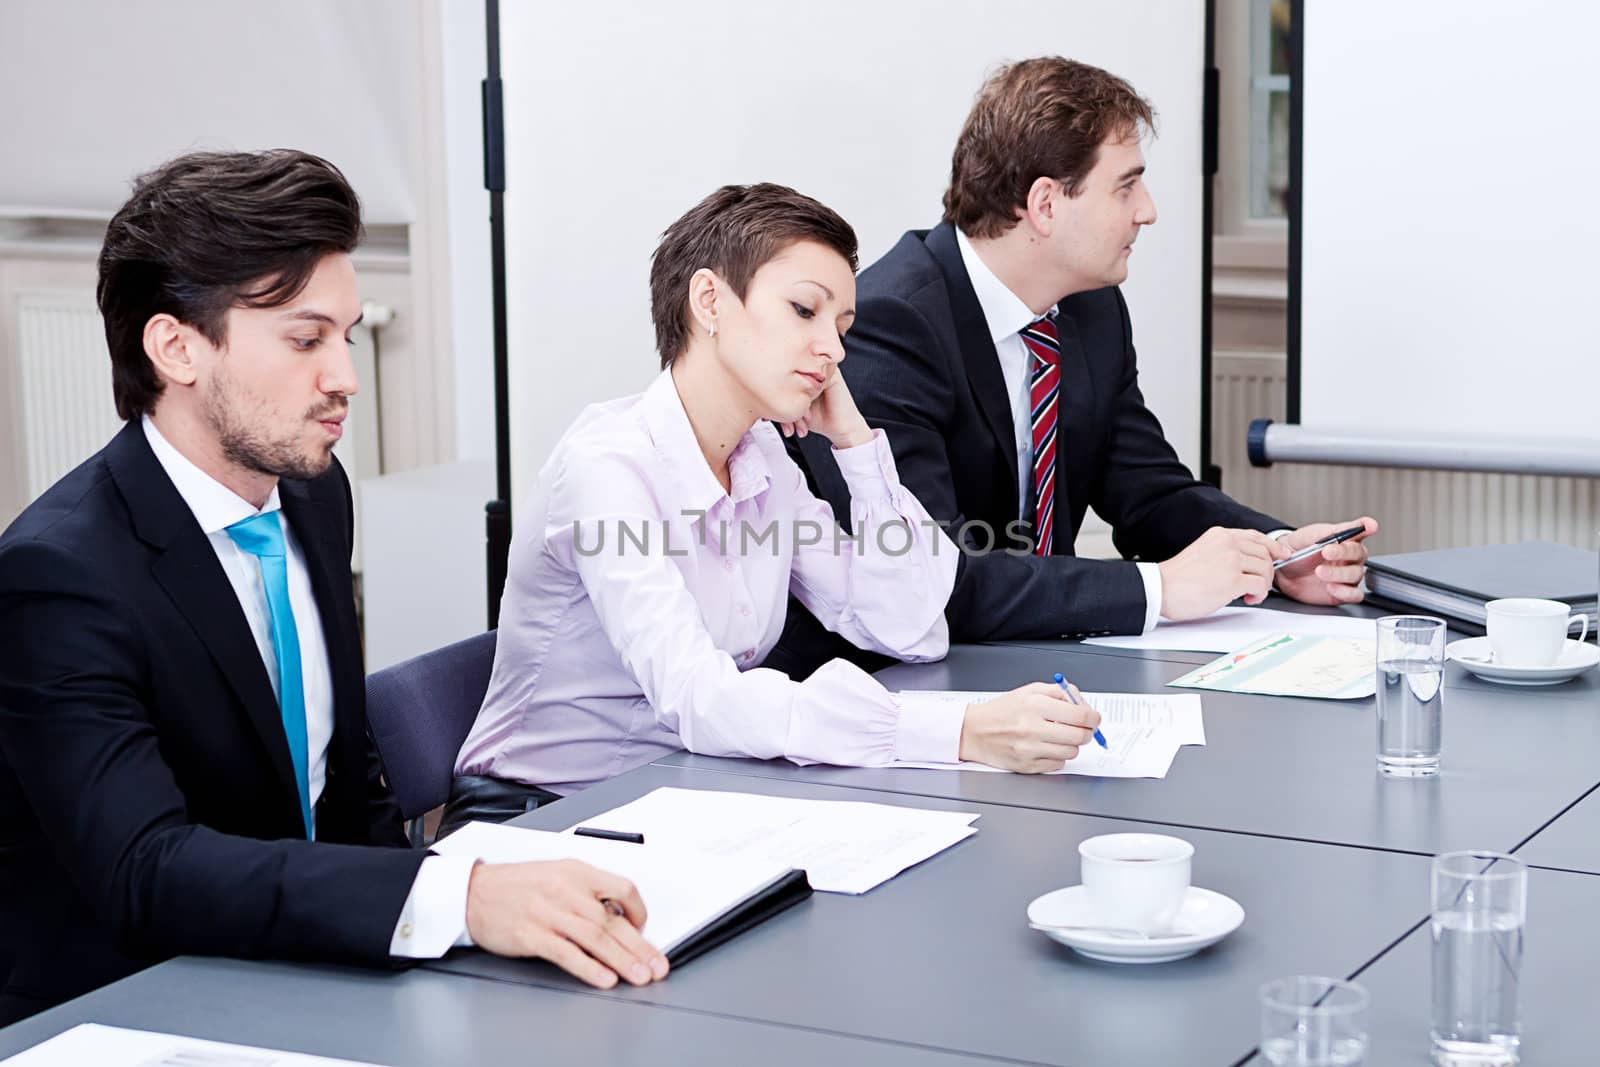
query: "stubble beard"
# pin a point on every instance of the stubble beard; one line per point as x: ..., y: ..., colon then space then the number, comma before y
x: 248, y: 447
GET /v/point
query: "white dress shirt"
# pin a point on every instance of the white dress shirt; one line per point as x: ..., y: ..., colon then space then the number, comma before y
x: 434, y: 916
x: 1006, y: 315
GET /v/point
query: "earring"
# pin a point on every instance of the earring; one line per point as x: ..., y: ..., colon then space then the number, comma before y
x: 712, y: 329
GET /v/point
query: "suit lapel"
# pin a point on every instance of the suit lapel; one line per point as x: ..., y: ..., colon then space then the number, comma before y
x: 976, y: 346
x: 188, y: 570
x: 1074, y: 420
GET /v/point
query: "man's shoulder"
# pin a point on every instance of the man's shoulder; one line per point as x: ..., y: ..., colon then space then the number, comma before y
x: 75, y: 513
x: 907, y: 271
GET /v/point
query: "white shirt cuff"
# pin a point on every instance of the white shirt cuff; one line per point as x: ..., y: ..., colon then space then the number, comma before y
x: 1275, y: 534
x: 434, y: 918
x: 1150, y: 574
x: 928, y: 729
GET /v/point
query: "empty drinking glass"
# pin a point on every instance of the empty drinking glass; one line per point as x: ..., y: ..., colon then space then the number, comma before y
x: 1313, y: 1022
x: 1410, y: 694
x: 1480, y: 903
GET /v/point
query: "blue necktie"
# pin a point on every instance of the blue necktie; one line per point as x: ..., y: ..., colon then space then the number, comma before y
x: 262, y: 537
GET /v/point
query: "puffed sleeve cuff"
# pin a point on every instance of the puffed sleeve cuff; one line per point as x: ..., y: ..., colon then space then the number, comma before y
x: 869, y: 470
x: 928, y: 729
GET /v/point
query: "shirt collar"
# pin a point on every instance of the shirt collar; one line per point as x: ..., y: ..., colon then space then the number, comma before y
x: 674, y: 438
x: 1003, y: 311
x: 215, y: 506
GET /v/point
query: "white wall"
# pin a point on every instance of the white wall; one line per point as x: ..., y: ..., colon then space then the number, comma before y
x: 96, y: 92
x: 472, y: 311
x: 621, y: 116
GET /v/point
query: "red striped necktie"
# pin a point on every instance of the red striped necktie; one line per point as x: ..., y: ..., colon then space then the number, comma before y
x: 1044, y: 383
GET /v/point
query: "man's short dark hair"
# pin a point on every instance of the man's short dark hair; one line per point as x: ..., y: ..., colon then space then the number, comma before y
x: 733, y: 232
x: 208, y: 232
x: 1040, y: 118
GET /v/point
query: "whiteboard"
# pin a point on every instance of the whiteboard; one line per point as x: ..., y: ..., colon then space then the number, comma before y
x: 1449, y: 236
x: 621, y: 116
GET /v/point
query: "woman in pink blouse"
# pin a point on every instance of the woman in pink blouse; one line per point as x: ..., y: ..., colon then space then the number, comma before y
x: 650, y: 574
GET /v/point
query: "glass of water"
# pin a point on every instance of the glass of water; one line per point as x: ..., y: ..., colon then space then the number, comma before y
x: 1313, y: 1022
x: 1410, y: 694
x: 1480, y: 903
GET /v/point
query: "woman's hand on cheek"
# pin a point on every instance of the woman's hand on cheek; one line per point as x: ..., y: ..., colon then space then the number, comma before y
x: 834, y: 415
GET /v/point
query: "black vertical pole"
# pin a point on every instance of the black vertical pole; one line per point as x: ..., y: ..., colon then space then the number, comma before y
x: 497, y: 513
x: 1297, y: 99
x: 1210, y: 119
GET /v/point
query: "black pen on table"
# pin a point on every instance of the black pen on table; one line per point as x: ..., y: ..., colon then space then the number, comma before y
x: 1313, y: 549
x: 609, y: 835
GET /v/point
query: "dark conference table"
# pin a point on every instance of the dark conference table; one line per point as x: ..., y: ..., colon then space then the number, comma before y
x: 1284, y: 806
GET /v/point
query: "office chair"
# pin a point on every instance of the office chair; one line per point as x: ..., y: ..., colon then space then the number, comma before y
x: 420, y: 712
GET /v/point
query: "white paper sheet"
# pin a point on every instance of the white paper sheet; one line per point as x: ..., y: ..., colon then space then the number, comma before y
x: 112, y: 1046
x: 1229, y: 628
x: 683, y: 890
x: 843, y: 846
x: 1143, y: 733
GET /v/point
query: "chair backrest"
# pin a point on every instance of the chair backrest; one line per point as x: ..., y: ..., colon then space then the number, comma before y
x: 421, y: 711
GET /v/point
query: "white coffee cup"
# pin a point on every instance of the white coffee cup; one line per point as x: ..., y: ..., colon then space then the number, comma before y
x: 1135, y: 881
x: 1529, y: 632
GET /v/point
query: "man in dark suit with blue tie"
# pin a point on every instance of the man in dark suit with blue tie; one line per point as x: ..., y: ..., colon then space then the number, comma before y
x: 185, y: 765
x: 996, y: 352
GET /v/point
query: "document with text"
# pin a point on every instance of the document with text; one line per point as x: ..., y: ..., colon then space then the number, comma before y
x: 843, y: 846
x: 114, y: 1046
x: 685, y: 891
x: 1231, y: 628
x: 1293, y: 665
x: 1143, y: 733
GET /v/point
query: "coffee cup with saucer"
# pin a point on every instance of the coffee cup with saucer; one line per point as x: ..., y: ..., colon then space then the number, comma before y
x: 1135, y: 904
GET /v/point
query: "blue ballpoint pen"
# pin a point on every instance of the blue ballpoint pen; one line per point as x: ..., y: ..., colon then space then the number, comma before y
x: 1099, y: 738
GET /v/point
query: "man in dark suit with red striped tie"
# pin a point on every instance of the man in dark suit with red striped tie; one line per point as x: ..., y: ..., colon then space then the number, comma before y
x: 995, y: 351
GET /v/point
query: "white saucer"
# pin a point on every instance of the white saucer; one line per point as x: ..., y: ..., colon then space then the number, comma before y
x: 1205, y: 918
x: 1473, y: 654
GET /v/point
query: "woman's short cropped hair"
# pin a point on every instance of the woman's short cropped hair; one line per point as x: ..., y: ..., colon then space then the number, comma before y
x: 733, y: 232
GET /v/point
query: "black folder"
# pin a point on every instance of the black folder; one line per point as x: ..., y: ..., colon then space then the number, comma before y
x: 1458, y: 582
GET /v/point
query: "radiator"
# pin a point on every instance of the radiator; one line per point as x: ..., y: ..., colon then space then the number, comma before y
x: 1415, y: 509
x: 67, y: 409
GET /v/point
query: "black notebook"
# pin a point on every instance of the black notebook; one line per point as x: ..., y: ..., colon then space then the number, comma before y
x: 695, y: 902
x: 1458, y: 582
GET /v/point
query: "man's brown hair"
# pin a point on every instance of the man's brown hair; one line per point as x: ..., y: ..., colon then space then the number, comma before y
x: 1038, y: 118
x: 211, y: 231
x: 733, y: 232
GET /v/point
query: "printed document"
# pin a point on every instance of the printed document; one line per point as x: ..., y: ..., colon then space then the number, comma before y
x: 1143, y: 733
x: 1230, y: 628
x: 1293, y: 665
x: 684, y: 892
x: 843, y: 846
x: 113, y: 1046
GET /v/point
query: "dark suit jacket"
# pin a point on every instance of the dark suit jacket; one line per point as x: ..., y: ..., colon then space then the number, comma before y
x: 923, y: 369
x: 147, y: 801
